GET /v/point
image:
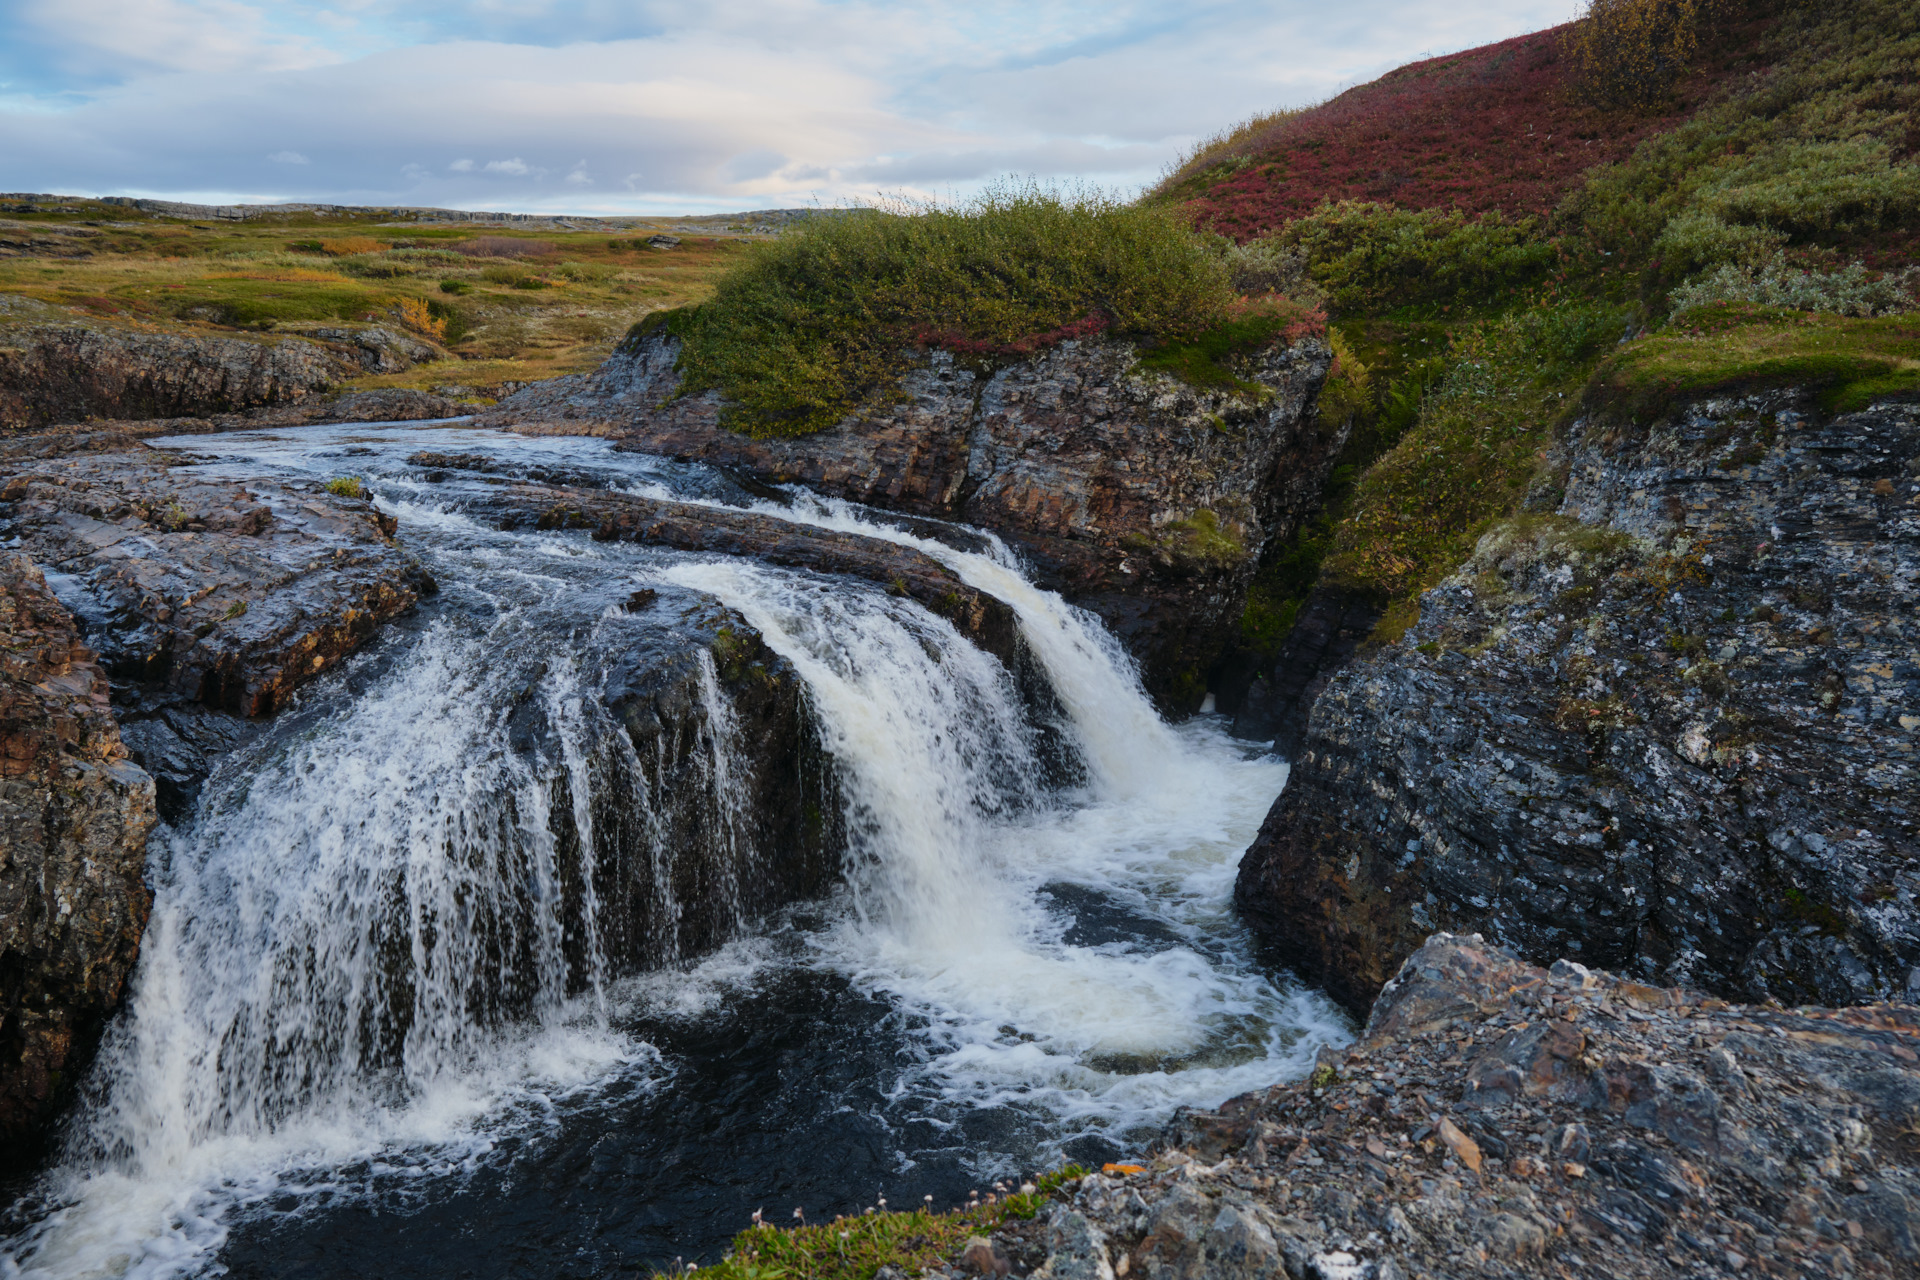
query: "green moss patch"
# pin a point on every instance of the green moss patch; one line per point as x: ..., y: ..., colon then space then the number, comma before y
x: 856, y: 1246
x: 1207, y: 361
x: 1738, y: 347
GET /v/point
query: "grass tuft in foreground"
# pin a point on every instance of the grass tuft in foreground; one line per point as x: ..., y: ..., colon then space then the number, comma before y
x: 855, y: 1247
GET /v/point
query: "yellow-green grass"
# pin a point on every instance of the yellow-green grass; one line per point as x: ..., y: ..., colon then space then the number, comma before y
x: 1735, y: 347
x: 856, y: 1246
x: 249, y: 278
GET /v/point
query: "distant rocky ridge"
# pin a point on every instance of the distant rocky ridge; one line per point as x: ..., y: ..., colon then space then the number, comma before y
x: 752, y: 221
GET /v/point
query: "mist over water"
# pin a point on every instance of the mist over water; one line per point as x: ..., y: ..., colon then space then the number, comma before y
x: 375, y: 1025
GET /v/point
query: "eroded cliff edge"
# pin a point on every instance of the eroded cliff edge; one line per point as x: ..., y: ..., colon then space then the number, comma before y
x: 76, y: 813
x: 1669, y: 728
x: 1135, y: 495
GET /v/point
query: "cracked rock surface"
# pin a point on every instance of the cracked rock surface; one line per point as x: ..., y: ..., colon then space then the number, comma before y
x: 1670, y: 728
x: 1496, y: 1119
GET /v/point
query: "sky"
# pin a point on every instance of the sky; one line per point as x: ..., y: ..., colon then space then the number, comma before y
x: 647, y: 107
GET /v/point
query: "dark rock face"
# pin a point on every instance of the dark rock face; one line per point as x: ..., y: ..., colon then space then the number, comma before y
x: 220, y: 594
x: 74, y: 819
x: 1134, y: 495
x: 1499, y: 1119
x: 1331, y: 626
x: 69, y: 373
x: 1671, y: 729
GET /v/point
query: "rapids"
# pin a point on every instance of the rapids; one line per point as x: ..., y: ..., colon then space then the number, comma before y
x: 376, y: 1028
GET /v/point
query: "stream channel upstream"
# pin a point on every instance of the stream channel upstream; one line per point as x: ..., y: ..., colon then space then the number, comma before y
x: 1019, y: 965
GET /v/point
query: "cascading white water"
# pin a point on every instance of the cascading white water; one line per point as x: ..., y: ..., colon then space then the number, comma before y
x: 381, y: 946
x: 954, y: 847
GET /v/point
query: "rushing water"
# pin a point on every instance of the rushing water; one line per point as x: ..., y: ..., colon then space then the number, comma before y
x: 376, y: 1030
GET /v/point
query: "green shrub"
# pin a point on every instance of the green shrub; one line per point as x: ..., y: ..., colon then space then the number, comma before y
x: 455, y: 287
x: 345, y: 487
x: 1851, y: 291
x: 813, y: 323
x: 1372, y: 259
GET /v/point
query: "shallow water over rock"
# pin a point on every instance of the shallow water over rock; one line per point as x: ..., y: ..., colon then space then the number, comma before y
x: 622, y: 890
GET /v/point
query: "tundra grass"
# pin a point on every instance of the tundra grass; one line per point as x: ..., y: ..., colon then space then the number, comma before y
x: 105, y: 265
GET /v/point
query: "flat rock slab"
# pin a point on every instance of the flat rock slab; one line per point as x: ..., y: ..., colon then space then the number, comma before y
x: 223, y: 594
x: 686, y: 526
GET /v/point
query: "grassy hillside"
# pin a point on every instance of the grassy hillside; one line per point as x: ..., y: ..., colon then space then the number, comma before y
x: 503, y: 304
x: 1751, y: 218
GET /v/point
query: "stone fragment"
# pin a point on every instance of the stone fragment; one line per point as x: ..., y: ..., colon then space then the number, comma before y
x: 1464, y: 1149
x: 1076, y: 1249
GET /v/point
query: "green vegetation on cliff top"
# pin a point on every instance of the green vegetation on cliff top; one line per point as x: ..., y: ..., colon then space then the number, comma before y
x: 811, y: 326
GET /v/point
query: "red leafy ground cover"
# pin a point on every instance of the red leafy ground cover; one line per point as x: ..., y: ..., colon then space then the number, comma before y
x: 1494, y: 128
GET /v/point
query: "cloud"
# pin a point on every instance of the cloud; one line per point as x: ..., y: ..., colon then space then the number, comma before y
x: 735, y: 103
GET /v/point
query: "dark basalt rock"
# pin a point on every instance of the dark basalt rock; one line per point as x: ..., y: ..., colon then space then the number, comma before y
x: 1495, y: 1118
x: 74, y: 819
x: 1671, y: 729
x: 1133, y: 494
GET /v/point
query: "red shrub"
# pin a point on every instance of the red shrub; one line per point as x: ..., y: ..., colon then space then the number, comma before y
x: 1493, y: 128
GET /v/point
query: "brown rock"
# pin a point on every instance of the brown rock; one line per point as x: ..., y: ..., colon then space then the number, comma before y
x: 1464, y: 1149
x: 74, y: 820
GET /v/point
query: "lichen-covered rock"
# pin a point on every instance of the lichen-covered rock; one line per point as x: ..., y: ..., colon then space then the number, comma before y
x: 74, y: 820
x: 1670, y: 729
x: 1133, y: 494
x: 55, y: 373
x: 1498, y: 1119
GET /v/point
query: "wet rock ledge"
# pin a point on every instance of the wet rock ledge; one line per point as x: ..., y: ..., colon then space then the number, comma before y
x: 1670, y: 725
x: 75, y: 814
x: 1133, y: 494
x: 1499, y: 1119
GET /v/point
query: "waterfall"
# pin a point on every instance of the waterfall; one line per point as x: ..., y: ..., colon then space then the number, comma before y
x: 394, y: 934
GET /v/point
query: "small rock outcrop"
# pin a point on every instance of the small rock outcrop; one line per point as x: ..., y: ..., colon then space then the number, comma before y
x: 74, y: 818
x: 1498, y: 1119
x: 1671, y: 728
x: 1132, y: 494
x: 57, y: 373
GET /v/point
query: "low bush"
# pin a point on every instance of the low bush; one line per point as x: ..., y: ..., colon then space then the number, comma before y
x: 344, y: 487
x: 812, y: 324
x: 1373, y: 259
x: 502, y: 247
x: 1630, y: 53
x: 1850, y: 291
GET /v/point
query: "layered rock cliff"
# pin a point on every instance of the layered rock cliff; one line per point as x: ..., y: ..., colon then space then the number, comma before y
x: 1133, y: 494
x: 1670, y: 727
x: 75, y: 814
